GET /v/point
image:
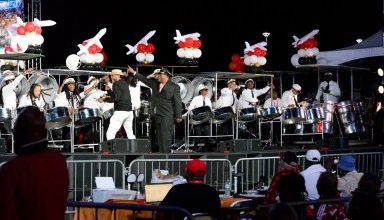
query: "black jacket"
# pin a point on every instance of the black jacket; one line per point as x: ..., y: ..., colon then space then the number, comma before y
x: 166, y: 103
x: 120, y: 96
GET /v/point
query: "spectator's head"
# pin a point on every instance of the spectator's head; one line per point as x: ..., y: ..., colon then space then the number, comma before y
x: 282, y: 211
x: 327, y: 185
x: 195, y: 170
x: 291, y: 188
x: 369, y: 184
x: 312, y: 157
x: 288, y: 160
x: 29, y: 131
x: 346, y: 164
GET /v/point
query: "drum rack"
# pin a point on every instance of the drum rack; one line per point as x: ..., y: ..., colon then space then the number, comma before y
x: 282, y: 133
x: 271, y: 136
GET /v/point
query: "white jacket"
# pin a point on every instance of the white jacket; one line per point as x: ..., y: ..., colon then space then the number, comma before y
x: 90, y: 101
x: 9, y: 94
x: 25, y: 100
x: 227, y: 98
x: 288, y: 99
x: 334, y: 94
x: 275, y: 103
x: 311, y: 176
x: 246, y: 100
x: 197, y: 102
x: 62, y: 101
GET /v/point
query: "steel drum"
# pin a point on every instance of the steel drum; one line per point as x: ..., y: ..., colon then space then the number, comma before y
x: 200, y: 115
x: 144, y: 111
x: 108, y: 114
x: 313, y: 115
x: 87, y: 116
x: 21, y: 109
x: 328, y: 122
x: 57, y: 117
x: 272, y: 112
x: 329, y: 106
x: 351, y: 116
x: 49, y: 84
x: 250, y: 114
x: 222, y: 115
x: 294, y: 115
x: 5, y: 114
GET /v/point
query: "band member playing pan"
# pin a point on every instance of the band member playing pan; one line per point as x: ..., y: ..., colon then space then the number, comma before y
x: 289, y: 98
x: 248, y: 98
x: 166, y: 103
x: 228, y: 98
x: 33, y: 98
x: 121, y: 97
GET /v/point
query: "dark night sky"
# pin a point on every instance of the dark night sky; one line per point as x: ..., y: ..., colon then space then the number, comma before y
x: 224, y: 26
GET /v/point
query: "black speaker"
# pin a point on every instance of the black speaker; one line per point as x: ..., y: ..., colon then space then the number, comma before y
x: 3, y: 146
x: 123, y: 145
x: 240, y: 145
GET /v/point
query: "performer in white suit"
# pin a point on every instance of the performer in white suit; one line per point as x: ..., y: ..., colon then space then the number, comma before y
x: 328, y: 90
x: 248, y: 98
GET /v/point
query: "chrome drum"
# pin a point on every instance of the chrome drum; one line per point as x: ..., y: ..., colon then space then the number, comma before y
x: 57, y: 117
x: 250, y: 114
x: 5, y: 114
x: 294, y: 115
x: 200, y: 115
x: 222, y: 115
x: 314, y: 115
x: 272, y: 112
x: 87, y: 116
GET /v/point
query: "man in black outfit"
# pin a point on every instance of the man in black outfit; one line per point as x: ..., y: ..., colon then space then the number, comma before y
x: 194, y: 196
x: 166, y: 105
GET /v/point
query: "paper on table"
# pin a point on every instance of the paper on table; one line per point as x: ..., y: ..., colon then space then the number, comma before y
x: 104, y: 182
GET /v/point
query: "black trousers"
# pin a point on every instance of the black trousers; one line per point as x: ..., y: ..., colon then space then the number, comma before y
x: 164, y: 132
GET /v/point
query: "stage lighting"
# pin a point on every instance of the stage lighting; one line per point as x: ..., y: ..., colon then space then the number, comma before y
x: 381, y: 89
x: 266, y: 34
x: 359, y: 40
x: 380, y: 72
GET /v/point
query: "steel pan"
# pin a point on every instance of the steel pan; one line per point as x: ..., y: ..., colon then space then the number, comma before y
x: 222, y: 115
x: 5, y: 114
x: 21, y: 109
x: 87, y: 116
x: 314, y: 115
x: 345, y: 106
x: 250, y: 114
x: 200, y: 115
x: 272, y: 112
x: 329, y: 106
x: 57, y: 117
x: 144, y: 111
x: 108, y: 113
x: 294, y: 115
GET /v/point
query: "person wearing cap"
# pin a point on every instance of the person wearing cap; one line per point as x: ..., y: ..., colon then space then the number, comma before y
x: 92, y: 93
x: 312, y: 172
x: 33, y: 97
x: 328, y: 90
x: 349, y: 177
x: 194, y: 196
x: 120, y: 95
x: 69, y: 96
x: 8, y: 98
x: 288, y: 164
x: 34, y: 184
x: 228, y: 96
x: 248, y: 98
x: 289, y: 98
x: 165, y: 105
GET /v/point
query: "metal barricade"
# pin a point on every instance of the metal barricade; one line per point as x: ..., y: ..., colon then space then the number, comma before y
x: 248, y: 170
x: 218, y: 170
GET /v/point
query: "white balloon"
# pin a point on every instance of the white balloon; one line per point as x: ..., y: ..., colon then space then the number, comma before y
x: 140, y: 57
x: 73, y: 62
x: 83, y: 58
x: 301, y: 53
x: 19, y: 41
x: 98, y: 58
x: 38, y: 40
x: 315, y: 51
x: 197, y: 53
x: 149, y: 57
x: 295, y: 60
x: 189, y: 53
x: 262, y: 60
x: 247, y: 60
x: 30, y: 39
x: 310, y: 53
x: 180, y: 52
x: 254, y: 59
x: 89, y: 58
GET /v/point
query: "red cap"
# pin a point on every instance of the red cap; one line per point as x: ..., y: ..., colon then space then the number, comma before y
x: 196, y: 167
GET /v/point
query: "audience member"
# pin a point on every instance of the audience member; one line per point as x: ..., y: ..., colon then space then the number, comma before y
x: 349, y: 177
x: 312, y: 172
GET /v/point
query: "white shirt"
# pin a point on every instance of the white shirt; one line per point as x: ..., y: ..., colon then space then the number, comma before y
x: 288, y: 99
x: 25, y: 100
x: 246, y: 100
x: 348, y: 183
x: 197, y: 102
x: 62, y: 101
x: 90, y: 101
x: 135, y: 95
x: 334, y: 89
x: 9, y: 94
x: 275, y: 103
x: 311, y: 176
x: 227, y: 98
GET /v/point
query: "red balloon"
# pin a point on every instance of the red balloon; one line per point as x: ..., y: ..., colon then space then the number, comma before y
x: 98, y: 49
x: 150, y: 48
x: 258, y: 52
x: 233, y: 66
x: 188, y: 42
x: 197, y: 44
x: 38, y: 29
x: 92, y: 49
x: 250, y: 53
x: 30, y: 27
x: 21, y: 30
x: 310, y: 43
x: 105, y: 58
x: 84, y: 43
x: 181, y: 44
x: 8, y: 50
x: 235, y: 57
x: 141, y: 48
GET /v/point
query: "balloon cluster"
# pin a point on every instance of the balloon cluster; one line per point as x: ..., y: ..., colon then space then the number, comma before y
x: 145, y: 53
x: 189, y: 51
x: 308, y: 51
x: 27, y: 40
x: 255, y: 58
x: 237, y: 63
x: 94, y: 55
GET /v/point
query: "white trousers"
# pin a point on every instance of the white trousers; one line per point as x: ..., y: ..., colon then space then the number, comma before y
x: 121, y: 118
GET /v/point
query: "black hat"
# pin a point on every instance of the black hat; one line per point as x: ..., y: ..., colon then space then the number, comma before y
x: 165, y: 71
x: 290, y: 158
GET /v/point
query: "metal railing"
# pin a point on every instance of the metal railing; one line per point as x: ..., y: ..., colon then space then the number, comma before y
x: 218, y: 170
x: 248, y: 170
